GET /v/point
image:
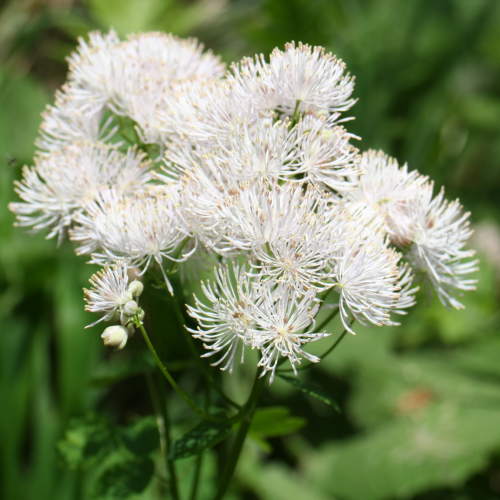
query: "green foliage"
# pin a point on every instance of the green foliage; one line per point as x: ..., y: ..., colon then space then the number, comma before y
x: 203, y: 436
x: 93, y: 438
x: 141, y: 438
x: 87, y: 440
x: 274, y: 421
x: 123, y: 478
x: 120, y: 456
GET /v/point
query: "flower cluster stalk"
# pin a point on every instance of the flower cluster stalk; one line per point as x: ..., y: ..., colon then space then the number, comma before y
x: 247, y: 413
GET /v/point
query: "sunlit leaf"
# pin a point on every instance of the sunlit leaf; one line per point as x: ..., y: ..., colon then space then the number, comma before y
x: 441, y: 446
x: 274, y: 421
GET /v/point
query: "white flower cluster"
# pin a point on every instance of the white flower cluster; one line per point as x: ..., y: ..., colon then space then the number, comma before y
x: 153, y: 151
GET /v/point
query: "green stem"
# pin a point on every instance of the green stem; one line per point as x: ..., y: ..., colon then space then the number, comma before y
x: 295, y: 114
x: 196, y: 477
x: 165, y: 438
x: 199, y: 459
x: 327, y: 320
x: 184, y: 395
x: 246, y: 419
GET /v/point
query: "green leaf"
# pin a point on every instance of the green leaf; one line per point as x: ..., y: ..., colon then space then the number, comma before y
x: 141, y: 438
x: 86, y: 440
x: 311, y: 390
x: 123, y: 478
x: 274, y: 421
x: 409, y: 384
x: 203, y: 436
x: 439, y: 447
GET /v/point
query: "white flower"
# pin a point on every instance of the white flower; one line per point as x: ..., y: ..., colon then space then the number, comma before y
x: 263, y: 151
x: 74, y: 117
x: 202, y: 194
x: 269, y: 212
x: 61, y: 183
x: 368, y: 281
x: 389, y: 192
x: 301, y: 262
x: 300, y: 78
x: 206, y: 110
x: 292, y: 237
x: 137, y: 229
x: 283, y: 322
x: 109, y: 292
x: 224, y: 314
x: 132, y: 77
x: 325, y: 155
x: 407, y: 289
x: 434, y: 230
x: 441, y: 230
x: 243, y: 309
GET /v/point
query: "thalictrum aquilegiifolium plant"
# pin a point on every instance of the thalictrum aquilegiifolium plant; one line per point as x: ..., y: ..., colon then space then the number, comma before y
x: 155, y: 154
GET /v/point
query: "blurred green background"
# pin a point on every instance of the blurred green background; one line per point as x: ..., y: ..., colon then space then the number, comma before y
x: 420, y: 404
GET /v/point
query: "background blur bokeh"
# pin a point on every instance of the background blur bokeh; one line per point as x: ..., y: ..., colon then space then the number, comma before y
x: 420, y: 404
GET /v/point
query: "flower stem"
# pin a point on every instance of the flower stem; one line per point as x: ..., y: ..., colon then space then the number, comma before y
x: 295, y: 114
x: 247, y: 413
x: 164, y: 370
x: 327, y: 320
x: 160, y: 408
x: 199, y: 459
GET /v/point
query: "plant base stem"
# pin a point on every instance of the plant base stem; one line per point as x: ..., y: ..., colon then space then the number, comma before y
x: 246, y: 419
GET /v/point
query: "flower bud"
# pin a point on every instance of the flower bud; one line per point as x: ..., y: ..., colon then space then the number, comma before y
x: 115, y: 336
x: 131, y: 308
x: 136, y: 288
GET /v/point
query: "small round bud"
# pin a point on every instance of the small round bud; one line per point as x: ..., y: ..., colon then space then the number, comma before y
x: 131, y: 308
x: 136, y: 288
x: 140, y: 314
x: 115, y: 336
